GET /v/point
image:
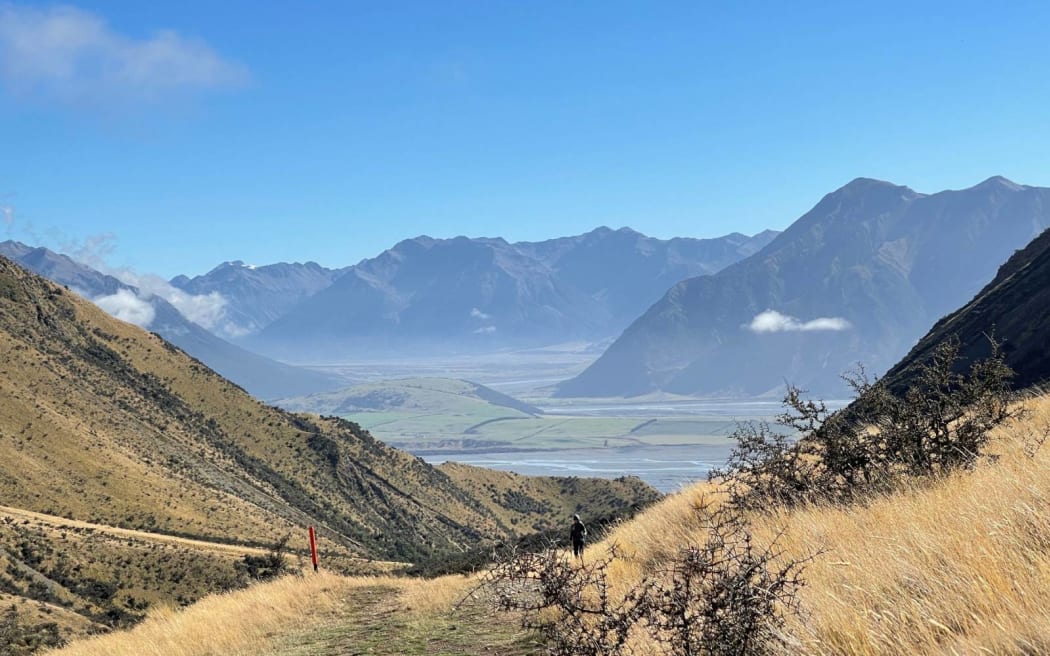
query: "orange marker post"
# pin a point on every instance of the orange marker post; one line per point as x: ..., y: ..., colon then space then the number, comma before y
x: 313, y: 547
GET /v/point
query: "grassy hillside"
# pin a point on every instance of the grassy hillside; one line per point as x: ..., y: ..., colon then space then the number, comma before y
x: 960, y: 565
x: 516, y: 499
x: 101, y: 422
x: 430, y: 395
x: 957, y: 566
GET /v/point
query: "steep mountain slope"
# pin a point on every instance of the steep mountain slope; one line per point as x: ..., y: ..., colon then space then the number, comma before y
x: 103, y: 422
x: 1014, y: 307
x: 260, y: 376
x: 627, y: 271
x: 257, y: 295
x: 857, y: 279
x: 480, y: 293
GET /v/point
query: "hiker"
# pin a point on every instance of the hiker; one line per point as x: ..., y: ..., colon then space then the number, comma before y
x: 578, y: 534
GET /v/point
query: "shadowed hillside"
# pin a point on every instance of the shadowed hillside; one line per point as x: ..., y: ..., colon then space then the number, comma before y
x: 1014, y: 307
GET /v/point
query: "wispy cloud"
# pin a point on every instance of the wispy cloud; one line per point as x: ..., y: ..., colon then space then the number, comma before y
x: 772, y: 321
x: 69, y: 55
x: 7, y: 213
x: 478, y: 314
x: 126, y: 306
x: 205, y: 310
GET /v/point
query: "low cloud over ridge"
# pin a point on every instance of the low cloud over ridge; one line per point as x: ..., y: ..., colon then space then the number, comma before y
x: 772, y: 321
x: 126, y: 306
x: 205, y: 310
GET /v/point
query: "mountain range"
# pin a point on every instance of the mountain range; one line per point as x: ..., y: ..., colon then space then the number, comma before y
x: 857, y: 279
x: 255, y: 296
x: 464, y: 294
x: 261, y: 376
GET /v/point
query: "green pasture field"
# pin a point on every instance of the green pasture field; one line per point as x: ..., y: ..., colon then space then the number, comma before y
x: 501, y: 427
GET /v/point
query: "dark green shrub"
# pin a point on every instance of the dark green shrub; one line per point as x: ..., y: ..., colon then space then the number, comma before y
x: 941, y: 423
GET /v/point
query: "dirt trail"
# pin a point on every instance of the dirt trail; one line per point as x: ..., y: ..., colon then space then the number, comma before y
x: 18, y: 513
x: 372, y: 621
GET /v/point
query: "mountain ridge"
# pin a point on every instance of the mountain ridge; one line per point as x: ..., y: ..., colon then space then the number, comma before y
x: 480, y: 293
x: 885, y: 260
x: 261, y: 376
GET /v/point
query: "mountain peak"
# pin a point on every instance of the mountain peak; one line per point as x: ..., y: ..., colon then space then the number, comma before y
x: 229, y: 264
x: 604, y: 231
x: 999, y: 182
x: 866, y: 191
x: 867, y: 184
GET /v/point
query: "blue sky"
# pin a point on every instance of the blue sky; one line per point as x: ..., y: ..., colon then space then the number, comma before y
x: 175, y: 135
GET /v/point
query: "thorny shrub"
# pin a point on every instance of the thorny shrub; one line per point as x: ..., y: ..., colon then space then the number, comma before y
x: 726, y: 596
x: 266, y: 566
x: 940, y: 424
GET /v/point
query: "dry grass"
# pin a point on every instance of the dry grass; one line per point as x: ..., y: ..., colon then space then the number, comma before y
x: 322, y: 614
x: 957, y: 566
x: 245, y: 622
x: 440, y: 595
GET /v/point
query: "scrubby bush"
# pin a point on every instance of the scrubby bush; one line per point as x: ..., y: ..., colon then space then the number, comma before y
x: 17, y: 638
x: 267, y: 566
x: 725, y: 596
x: 941, y: 423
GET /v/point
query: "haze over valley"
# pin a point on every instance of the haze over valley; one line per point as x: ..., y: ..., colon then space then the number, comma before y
x: 680, y: 340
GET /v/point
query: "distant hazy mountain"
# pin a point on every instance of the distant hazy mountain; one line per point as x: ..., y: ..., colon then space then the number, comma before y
x: 262, y: 377
x: 858, y: 278
x: 627, y: 272
x: 257, y: 295
x: 1014, y: 307
x: 478, y: 293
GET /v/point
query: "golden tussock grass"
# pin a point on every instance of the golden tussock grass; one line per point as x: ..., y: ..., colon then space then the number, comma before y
x: 440, y: 595
x: 244, y: 622
x: 960, y: 565
x: 259, y: 619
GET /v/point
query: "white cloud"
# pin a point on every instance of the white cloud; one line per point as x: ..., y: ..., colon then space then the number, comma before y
x: 478, y: 314
x: 126, y: 306
x: 205, y: 310
x: 485, y: 330
x: 772, y: 321
x: 72, y: 55
x: 231, y: 329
